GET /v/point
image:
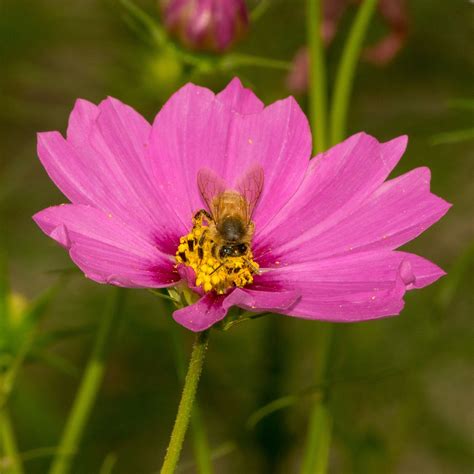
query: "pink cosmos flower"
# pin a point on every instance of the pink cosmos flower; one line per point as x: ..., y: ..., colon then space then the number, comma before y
x: 206, y: 24
x: 325, y: 230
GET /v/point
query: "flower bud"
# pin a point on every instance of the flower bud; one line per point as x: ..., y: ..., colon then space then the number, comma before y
x: 212, y: 25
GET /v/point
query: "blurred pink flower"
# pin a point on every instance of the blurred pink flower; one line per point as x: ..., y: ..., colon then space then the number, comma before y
x: 326, y: 229
x: 393, y: 12
x: 206, y: 24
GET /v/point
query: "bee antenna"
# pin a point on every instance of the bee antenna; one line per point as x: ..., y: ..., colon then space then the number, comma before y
x: 215, y: 270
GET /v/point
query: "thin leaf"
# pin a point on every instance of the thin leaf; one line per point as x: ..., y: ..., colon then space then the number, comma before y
x: 56, y: 362
x: 52, y: 337
x: 222, y: 450
x: 269, y: 408
x: 38, y: 306
x: 143, y: 22
x: 109, y: 463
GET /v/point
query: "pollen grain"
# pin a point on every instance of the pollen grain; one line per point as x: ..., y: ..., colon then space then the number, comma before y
x: 213, y: 274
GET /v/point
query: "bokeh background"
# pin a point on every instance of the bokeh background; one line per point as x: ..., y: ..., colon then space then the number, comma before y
x: 401, y: 389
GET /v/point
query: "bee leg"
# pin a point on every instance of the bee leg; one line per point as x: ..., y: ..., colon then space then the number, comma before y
x: 252, y: 267
x: 202, y: 238
x: 200, y: 214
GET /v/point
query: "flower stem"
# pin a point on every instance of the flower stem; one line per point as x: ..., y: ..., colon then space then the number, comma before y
x: 317, y: 75
x: 316, y: 455
x: 346, y: 70
x: 9, y: 457
x: 186, y: 404
x: 89, y: 387
x: 202, y: 452
x: 234, y: 60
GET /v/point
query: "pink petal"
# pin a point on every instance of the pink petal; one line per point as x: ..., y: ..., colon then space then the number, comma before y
x: 211, y: 309
x: 105, y: 163
x: 81, y: 120
x: 353, y: 287
x: 203, y: 314
x: 240, y: 99
x: 400, y: 210
x: 65, y: 169
x: 196, y: 130
x: 335, y: 185
x: 105, y: 248
x: 272, y: 301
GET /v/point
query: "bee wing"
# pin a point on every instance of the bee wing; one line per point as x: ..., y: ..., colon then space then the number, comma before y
x: 250, y: 186
x: 210, y: 186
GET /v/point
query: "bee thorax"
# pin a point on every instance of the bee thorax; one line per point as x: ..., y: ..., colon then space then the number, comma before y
x: 232, y: 229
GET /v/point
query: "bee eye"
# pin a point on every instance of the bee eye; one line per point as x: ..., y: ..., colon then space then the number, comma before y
x: 225, y: 251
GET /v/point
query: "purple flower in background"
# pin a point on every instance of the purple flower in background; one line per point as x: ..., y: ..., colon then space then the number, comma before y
x: 206, y: 24
x: 392, y: 12
x: 150, y: 205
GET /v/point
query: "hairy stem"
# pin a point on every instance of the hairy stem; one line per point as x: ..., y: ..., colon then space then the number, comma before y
x: 201, y: 449
x: 186, y: 404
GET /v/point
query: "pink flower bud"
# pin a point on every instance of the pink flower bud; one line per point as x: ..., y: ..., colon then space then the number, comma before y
x: 212, y: 25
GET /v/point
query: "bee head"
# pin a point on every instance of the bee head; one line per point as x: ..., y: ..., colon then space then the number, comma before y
x: 234, y: 250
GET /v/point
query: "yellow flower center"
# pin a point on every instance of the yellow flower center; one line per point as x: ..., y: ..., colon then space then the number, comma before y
x: 213, y: 273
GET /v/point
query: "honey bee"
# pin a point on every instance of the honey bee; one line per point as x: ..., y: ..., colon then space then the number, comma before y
x: 230, y: 226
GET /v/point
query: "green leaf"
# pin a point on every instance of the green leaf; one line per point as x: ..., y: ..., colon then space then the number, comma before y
x: 38, y: 306
x: 56, y: 362
x: 143, y: 23
x: 52, y: 337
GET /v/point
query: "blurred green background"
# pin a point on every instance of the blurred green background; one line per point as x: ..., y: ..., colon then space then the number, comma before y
x: 401, y: 389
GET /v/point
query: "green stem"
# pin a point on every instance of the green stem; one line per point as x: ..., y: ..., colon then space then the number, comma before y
x: 316, y: 454
x: 234, y: 60
x: 259, y: 10
x: 186, y: 404
x: 9, y: 457
x: 89, y: 387
x: 346, y: 70
x: 317, y: 75
x: 202, y: 452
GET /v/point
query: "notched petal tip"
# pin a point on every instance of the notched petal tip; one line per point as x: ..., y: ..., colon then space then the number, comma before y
x: 56, y: 231
x: 239, y: 98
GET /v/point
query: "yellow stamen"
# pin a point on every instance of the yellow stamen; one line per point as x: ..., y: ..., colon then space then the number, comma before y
x: 213, y: 274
